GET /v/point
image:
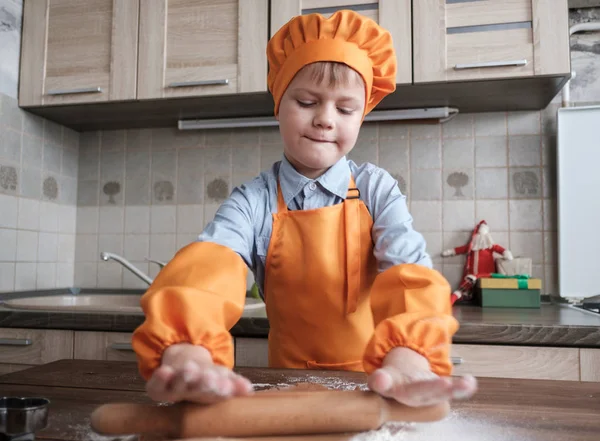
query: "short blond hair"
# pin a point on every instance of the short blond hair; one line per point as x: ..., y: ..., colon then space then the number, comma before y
x: 333, y: 74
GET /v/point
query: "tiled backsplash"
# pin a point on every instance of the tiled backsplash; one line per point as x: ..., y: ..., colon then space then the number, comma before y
x: 147, y: 193
x: 38, y: 181
x: 38, y: 196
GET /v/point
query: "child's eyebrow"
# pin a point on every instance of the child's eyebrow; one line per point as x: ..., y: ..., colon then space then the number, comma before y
x: 303, y: 89
x: 349, y: 99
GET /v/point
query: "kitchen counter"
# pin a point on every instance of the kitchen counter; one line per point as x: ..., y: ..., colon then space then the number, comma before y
x: 551, y: 325
x: 503, y: 409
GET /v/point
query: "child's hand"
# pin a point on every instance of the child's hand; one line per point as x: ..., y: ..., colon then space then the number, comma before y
x: 187, y: 373
x: 405, y: 376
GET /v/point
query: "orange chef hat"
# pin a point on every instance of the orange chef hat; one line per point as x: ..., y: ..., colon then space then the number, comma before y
x: 346, y: 37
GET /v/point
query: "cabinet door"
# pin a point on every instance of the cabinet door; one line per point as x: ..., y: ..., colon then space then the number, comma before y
x: 527, y: 362
x: 394, y: 15
x: 10, y: 368
x: 484, y: 39
x: 90, y: 345
x: 590, y: 364
x: 251, y: 352
x: 202, y: 47
x: 34, y: 346
x: 78, y: 51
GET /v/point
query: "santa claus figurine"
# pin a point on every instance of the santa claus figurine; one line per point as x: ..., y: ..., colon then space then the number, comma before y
x: 480, y: 260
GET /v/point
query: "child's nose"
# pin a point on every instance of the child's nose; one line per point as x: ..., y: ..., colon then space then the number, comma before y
x: 324, y: 118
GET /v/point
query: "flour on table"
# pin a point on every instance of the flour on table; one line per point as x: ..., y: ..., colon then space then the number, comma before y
x: 331, y: 383
x: 85, y: 432
x: 387, y: 432
x: 328, y: 382
x: 459, y: 425
x: 258, y: 386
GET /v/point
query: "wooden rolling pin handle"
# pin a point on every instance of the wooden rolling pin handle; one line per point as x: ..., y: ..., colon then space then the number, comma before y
x: 129, y: 419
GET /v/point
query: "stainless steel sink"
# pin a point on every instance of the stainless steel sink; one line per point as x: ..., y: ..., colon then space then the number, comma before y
x: 102, y: 303
x: 97, y: 302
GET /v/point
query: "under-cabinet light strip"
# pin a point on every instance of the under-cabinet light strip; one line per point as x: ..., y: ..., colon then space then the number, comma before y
x: 440, y: 113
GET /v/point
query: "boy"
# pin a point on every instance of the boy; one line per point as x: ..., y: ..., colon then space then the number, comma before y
x: 346, y: 280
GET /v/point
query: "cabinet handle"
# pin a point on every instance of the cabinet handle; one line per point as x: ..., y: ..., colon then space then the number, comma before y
x: 490, y: 64
x: 121, y: 346
x: 73, y: 91
x: 456, y: 360
x: 373, y: 6
x: 199, y: 83
x: 449, y: 2
x: 15, y: 342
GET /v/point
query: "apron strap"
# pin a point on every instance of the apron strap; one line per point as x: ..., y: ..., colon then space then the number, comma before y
x: 352, y: 226
x: 352, y: 233
x: 281, y: 206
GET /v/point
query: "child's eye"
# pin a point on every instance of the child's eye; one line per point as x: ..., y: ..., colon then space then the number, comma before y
x: 345, y: 111
x: 305, y: 103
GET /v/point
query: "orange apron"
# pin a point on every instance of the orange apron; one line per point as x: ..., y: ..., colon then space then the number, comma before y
x: 319, y: 270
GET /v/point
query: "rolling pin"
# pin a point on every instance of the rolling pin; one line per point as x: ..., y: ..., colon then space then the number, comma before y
x: 284, y: 413
x: 350, y: 436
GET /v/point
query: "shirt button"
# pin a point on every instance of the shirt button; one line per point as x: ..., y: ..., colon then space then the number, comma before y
x: 312, y: 186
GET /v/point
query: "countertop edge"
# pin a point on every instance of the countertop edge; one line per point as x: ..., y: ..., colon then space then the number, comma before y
x: 558, y: 335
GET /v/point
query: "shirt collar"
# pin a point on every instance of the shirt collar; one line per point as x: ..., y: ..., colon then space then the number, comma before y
x: 337, y: 178
x: 334, y: 180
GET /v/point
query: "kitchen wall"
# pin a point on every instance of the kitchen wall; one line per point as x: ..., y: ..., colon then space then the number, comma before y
x: 38, y: 181
x: 147, y: 193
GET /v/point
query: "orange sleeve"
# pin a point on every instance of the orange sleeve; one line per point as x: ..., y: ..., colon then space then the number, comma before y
x: 196, y: 298
x: 411, y: 308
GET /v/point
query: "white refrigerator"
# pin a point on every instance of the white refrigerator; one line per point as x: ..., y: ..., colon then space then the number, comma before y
x: 578, y: 202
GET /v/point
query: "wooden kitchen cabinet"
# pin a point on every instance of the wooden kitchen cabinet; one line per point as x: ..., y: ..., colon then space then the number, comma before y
x: 93, y: 345
x: 78, y: 51
x: 22, y: 348
x: 251, y: 352
x: 479, y: 360
x: 394, y: 15
x: 10, y: 368
x: 590, y: 364
x: 532, y: 362
x: 122, y: 64
x: 203, y: 47
x: 85, y: 51
x: 488, y: 39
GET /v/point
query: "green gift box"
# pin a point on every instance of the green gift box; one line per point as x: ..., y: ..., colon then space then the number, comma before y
x: 502, y: 291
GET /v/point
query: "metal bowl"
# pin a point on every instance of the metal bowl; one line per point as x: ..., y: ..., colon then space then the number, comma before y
x: 21, y: 415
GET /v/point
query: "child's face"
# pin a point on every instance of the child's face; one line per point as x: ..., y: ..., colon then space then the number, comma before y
x: 319, y: 123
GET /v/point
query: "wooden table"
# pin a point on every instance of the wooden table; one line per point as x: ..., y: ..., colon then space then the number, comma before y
x: 503, y: 409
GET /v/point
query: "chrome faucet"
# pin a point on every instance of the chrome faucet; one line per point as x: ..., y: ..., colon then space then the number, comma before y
x: 160, y: 264
x: 135, y: 270
x: 127, y: 264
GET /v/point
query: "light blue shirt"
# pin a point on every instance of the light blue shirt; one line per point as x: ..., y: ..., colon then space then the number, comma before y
x: 244, y: 221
